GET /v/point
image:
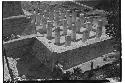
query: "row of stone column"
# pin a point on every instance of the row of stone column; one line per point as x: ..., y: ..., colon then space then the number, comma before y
x: 85, y: 34
x: 68, y: 22
x: 74, y: 29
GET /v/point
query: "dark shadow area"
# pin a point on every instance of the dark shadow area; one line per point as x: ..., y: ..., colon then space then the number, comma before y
x: 11, y: 8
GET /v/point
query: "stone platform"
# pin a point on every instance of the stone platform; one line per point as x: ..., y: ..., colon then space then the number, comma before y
x: 72, y: 56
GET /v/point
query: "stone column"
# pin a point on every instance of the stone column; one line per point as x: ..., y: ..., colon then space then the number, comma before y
x: 85, y: 35
x: 105, y: 22
x: 62, y: 15
x: 82, y: 19
x: 91, y: 19
x: 51, y: 16
x: 78, y: 25
x: 88, y: 26
x: 41, y: 19
x: 67, y: 40
x: 69, y: 21
x: 86, y: 32
x: 49, y: 30
x: 44, y: 20
x: 73, y: 36
x: 38, y: 18
x: 64, y: 27
x: 33, y: 17
x: 99, y: 29
x: 46, y: 14
x: 73, y: 17
x: 57, y: 20
x: 57, y: 36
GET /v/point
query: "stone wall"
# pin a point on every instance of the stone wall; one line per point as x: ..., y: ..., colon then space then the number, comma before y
x: 68, y: 59
x: 73, y: 57
x: 41, y: 51
x: 77, y: 56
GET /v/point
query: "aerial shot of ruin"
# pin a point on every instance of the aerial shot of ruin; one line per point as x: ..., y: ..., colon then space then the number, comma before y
x: 61, y: 40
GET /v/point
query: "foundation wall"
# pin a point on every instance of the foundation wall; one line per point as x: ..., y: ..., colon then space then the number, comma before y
x: 77, y: 56
x: 41, y: 52
x: 68, y: 59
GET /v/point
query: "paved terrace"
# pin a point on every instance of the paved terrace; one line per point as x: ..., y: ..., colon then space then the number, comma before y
x: 62, y: 48
x: 59, y: 49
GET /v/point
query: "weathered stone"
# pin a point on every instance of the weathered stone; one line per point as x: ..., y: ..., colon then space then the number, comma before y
x: 38, y: 19
x: 57, y: 35
x: 49, y: 29
x: 73, y: 32
x: 85, y: 35
x: 73, y: 17
x: 78, y: 25
x: 88, y: 26
x: 67, y: 40
x: 64, y: 27
x: 99, y: 29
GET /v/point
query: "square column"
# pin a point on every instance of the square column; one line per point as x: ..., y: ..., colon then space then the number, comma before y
x: 56, y: 19
x: 33, y: 17
x: 82, y: 19
x: 105, y: 22
x: 85, y: 35
x: 62, y: 16
x: 56, y: 16
x: 38, y: 19
x: 73, y: 17
x: 64, y: 27
x: 69, y: 21
x: 90, y: 19
x: 88, y: 26
x: 44, y: 23
x: 41, y: 19
x: 78, y: 25
x: 99, y: 29
x: 51, y: 16
x: 73, y: 36
x: 67, y: 40
x: 57, y: 36
x: 49, y: 30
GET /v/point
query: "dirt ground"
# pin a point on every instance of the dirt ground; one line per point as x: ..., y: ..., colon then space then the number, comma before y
x: 30, y: 66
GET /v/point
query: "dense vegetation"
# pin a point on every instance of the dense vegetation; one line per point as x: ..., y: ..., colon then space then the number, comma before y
x: 100, y: 73
x: 114, y: 21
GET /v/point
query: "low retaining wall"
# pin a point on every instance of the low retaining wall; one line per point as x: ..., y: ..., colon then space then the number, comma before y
x: 80, y: 55
x: 74, y: 57
x: 68, y: 59
x: 41, y: 51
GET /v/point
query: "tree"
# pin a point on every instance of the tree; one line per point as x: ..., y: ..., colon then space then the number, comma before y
x: 114, y: 27
x: 57, y: 72
x: 66, y: 76
x: 77, y: 72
